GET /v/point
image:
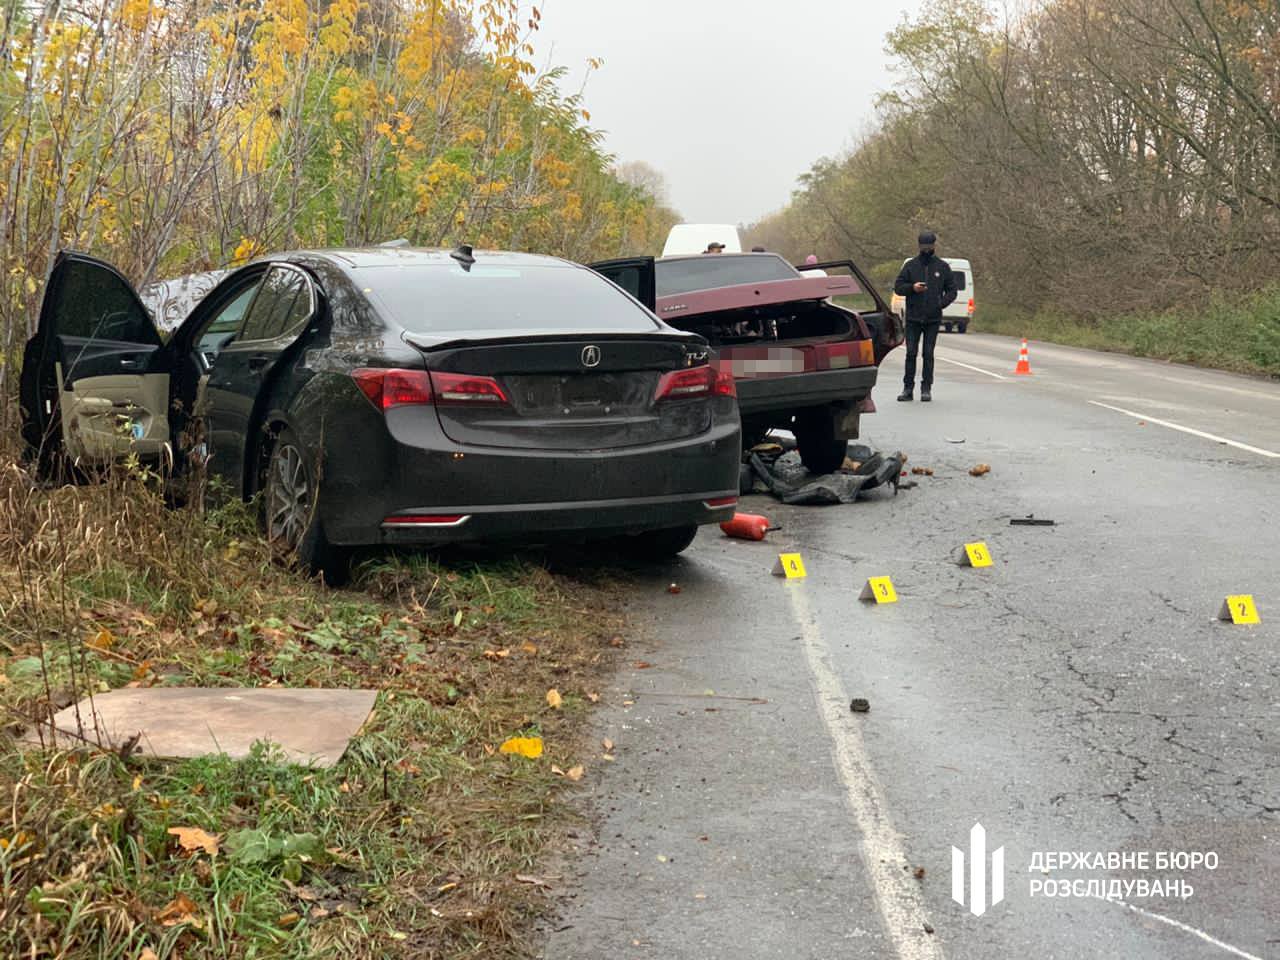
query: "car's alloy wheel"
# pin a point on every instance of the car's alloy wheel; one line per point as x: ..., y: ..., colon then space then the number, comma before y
x: 290, y: 512
x: 289, y: 497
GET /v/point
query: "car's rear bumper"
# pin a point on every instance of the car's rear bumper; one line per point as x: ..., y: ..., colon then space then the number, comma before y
x: 379, y: 468
x: 810, y: 389
x: 535, y: 522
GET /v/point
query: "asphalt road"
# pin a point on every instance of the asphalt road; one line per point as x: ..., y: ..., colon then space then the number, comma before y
x: 1078, y: 696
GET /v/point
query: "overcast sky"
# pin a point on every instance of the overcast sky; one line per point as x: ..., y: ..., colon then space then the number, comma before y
x: 731, y: 100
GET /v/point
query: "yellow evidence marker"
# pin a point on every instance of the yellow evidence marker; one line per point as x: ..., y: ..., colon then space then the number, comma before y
x: 879, y: 589
x: 789, y: 565
x: 1239, y: 608
x: 975, y: 555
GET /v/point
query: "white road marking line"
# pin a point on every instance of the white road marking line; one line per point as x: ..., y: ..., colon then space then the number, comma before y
x: 968, y: 367
x: 1185, y: 928
x: 896, y: 891
x: 1195, y: 433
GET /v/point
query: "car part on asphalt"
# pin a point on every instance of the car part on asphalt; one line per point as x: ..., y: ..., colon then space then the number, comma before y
x: 860, y: 705
x: 1031, y: 521
x: 747, y: 526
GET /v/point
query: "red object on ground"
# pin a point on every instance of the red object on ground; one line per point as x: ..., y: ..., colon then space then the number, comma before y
x: 746, y: 526
x: 1023, y: 369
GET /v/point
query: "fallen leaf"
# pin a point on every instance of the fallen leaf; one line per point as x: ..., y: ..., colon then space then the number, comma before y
x: 497, y: 654
x: 446, y: 887
x: 608, y: 757
x: 575, y: 773
x: 673, y: 588
x: 147, y: 954
x: 104, y: 639
x: 661, y: 859
x: 642, y: 664
x: 557, y: 771
x: 181, y: 909
x: 554, y: 700
x: 530, y: 747
x: 593, y: 697
x: 979, y: 470
x: 617, y: 642
x: 457, y: 619
x: 529, y: 648
x: 919, y: 873
x: 607, y: 744
x: 191, y: 839
x: 699, y: 896
x: 530, y: 878
x: 289, y: 919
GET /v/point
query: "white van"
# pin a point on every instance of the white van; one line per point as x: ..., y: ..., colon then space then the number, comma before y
x: 960, y: 313
x: 686, y: 238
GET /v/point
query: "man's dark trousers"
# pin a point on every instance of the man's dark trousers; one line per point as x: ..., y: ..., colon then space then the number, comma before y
x: 916, y: 330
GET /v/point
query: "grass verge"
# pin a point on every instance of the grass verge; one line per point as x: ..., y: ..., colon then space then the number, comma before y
x: 413, y: 845
x: 1240, y: 334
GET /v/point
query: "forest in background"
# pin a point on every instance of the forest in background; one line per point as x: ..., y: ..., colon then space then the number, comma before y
x: 1111, y: 167
x: 169, y: 136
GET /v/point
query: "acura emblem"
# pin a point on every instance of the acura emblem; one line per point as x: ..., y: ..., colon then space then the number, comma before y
x: 591, y: 356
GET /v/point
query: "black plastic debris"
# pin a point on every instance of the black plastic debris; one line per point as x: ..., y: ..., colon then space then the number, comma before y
x: 1031, y: 521
x: 788, y: 480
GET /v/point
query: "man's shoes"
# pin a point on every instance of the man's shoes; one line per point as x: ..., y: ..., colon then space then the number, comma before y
x: 905, y: 396
x: 925, y: 396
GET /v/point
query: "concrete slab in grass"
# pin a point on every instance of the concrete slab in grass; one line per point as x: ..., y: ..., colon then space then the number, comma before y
x: 310, y: 725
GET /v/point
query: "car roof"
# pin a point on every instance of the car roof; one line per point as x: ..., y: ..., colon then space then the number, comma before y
x: 354, y: 258
x: 725, y: 256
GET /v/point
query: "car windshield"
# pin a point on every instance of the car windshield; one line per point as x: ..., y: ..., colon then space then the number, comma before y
x: 719, y: 270
x: 433, y: 298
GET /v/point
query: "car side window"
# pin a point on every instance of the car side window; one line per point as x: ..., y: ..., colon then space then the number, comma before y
x: 221, y: 330
x: 275, y: 310
x: 94, y: 303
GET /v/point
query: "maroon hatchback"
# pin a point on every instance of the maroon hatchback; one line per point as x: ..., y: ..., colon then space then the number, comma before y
x: 804, y: 344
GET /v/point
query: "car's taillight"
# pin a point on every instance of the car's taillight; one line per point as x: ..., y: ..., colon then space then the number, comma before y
x: 387, y: 388
x: 971, y: 304
x: 716, y: 502
x: 425, y: 520
x: 391, y: 387
x: 466, y: 388
x: 684, y: 384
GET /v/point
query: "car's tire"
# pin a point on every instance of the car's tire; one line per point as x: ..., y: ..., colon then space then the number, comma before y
x: 946, y: 327
x: 964, y: 326
x: 660, y: 544
x: 821, y: 440
x: 290, y: 515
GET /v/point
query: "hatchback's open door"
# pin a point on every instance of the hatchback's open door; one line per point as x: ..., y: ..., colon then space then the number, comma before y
x: 634, y: 275
x: 90, y: 380
x: 886, y: 328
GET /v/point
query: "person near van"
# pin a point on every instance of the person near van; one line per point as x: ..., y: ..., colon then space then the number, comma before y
x: 927, y: 284
x: 715, y: 246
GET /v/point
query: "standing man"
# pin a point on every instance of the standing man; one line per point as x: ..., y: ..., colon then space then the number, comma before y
x: 929, y: 287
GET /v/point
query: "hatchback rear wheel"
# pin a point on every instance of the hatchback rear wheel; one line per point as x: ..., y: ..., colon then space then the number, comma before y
x: 821, y: 440
x: 290, y: 512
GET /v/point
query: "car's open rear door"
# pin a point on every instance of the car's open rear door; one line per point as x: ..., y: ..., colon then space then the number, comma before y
x: 634, y: 275
x: 884, y: 323
x: 90, y: 380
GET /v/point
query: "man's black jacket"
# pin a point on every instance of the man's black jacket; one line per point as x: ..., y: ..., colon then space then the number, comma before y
x: 933, y: 271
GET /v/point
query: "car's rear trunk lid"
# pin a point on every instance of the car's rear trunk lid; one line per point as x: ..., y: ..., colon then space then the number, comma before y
x: 571, y: 392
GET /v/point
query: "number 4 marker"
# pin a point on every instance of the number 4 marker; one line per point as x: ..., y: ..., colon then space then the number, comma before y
x: 789, y: 565
x: 1239, y: 608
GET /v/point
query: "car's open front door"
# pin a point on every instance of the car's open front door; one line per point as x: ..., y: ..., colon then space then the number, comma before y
x: 634, y: 275
x: 90, y: 380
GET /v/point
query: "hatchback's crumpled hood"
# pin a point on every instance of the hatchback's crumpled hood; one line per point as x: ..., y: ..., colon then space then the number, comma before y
x: 680, y: 305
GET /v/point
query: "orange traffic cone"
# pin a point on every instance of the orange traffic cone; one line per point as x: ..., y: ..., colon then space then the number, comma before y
x: 1024, y: 364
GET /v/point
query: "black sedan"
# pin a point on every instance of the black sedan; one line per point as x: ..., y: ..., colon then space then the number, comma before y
x: 397, y: 396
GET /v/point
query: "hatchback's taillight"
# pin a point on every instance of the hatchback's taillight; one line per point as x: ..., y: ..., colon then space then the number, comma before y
x: 392, y: 387
x: 725, y: 385
x: 387, y: 388
x: 971, y: 304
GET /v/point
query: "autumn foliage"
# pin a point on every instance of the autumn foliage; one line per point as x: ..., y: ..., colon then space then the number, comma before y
x: 175, y: 135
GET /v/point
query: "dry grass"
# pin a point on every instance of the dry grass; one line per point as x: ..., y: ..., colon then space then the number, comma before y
x: 409, y: 847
